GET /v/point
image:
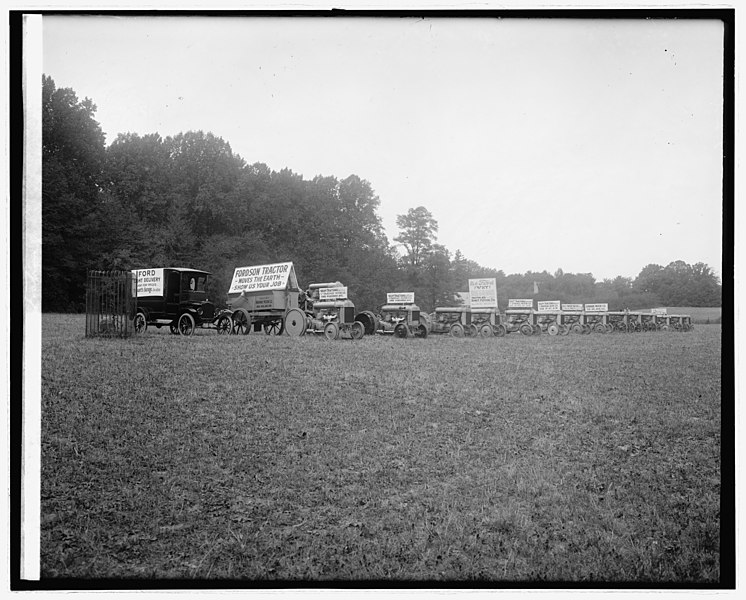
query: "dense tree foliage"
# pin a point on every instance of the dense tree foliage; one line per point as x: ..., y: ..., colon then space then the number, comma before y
x: 72, y: 157
x: 188, y: 200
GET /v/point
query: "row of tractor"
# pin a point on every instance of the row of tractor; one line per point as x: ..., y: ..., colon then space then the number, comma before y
x: 267, y: 298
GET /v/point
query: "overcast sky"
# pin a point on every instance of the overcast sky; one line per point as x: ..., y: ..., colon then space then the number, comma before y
x: 587, y: 145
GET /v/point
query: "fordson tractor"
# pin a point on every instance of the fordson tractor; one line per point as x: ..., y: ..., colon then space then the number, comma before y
x: 326, y: 310
x: 400, y: 317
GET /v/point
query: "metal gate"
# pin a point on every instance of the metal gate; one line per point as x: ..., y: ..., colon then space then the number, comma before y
x: 110, y: 304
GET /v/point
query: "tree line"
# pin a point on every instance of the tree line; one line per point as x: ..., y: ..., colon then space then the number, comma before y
x: 188, y: 200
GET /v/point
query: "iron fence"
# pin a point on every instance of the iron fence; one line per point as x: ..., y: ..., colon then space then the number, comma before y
x: 110, y: 304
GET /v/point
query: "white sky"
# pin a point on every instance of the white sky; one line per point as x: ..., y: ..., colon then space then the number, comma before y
x: 587, y: 145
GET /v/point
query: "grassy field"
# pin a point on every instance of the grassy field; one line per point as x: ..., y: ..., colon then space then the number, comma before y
x: 521, y: 459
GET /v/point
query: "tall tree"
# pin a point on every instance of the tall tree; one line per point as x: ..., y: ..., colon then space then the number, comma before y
x: 72, y: 158
x: 417, y: 233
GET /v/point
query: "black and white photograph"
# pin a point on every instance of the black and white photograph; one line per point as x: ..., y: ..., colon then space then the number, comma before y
x: 375, y: 299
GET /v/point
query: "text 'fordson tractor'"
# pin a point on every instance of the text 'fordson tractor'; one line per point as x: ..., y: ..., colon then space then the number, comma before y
x: 176, y: 297
x: 399, y: 317
x: 261, y: 296
x: 327, y: 311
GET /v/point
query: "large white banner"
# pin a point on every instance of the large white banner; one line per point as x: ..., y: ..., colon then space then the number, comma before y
x: 547, y: 305
x: 483, y: 293
x: 261, y: 278
x: 658, y: 311
x: 520, y: 303
x: 400, y: 298
x: 596, y: 308
x: 149, y: 282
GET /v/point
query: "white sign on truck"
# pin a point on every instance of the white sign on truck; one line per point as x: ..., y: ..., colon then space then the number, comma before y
x: 149, y: 282
x: 658, y: 311
x: 263, y: 278
x: 333, y: 293
x: 400, y: 298
x: 483, y: 293
x: 548, y: 305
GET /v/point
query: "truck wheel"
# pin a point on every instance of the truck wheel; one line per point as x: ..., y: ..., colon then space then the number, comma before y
x: 186, y: 324
x: 140, y: 323
x: 224, y: 325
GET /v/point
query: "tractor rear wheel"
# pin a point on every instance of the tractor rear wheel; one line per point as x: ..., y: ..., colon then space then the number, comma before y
x: 295, y: 322
x: 421, y: 331
x: 369, y: 321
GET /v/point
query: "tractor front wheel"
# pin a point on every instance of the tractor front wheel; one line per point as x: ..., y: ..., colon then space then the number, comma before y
x: 401, y: 331
x: 331, y: 331
x: 357, y: 330
x: 457, y: 330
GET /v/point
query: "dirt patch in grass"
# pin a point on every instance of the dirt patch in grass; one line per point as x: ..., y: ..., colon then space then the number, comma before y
x: 579, y: 458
